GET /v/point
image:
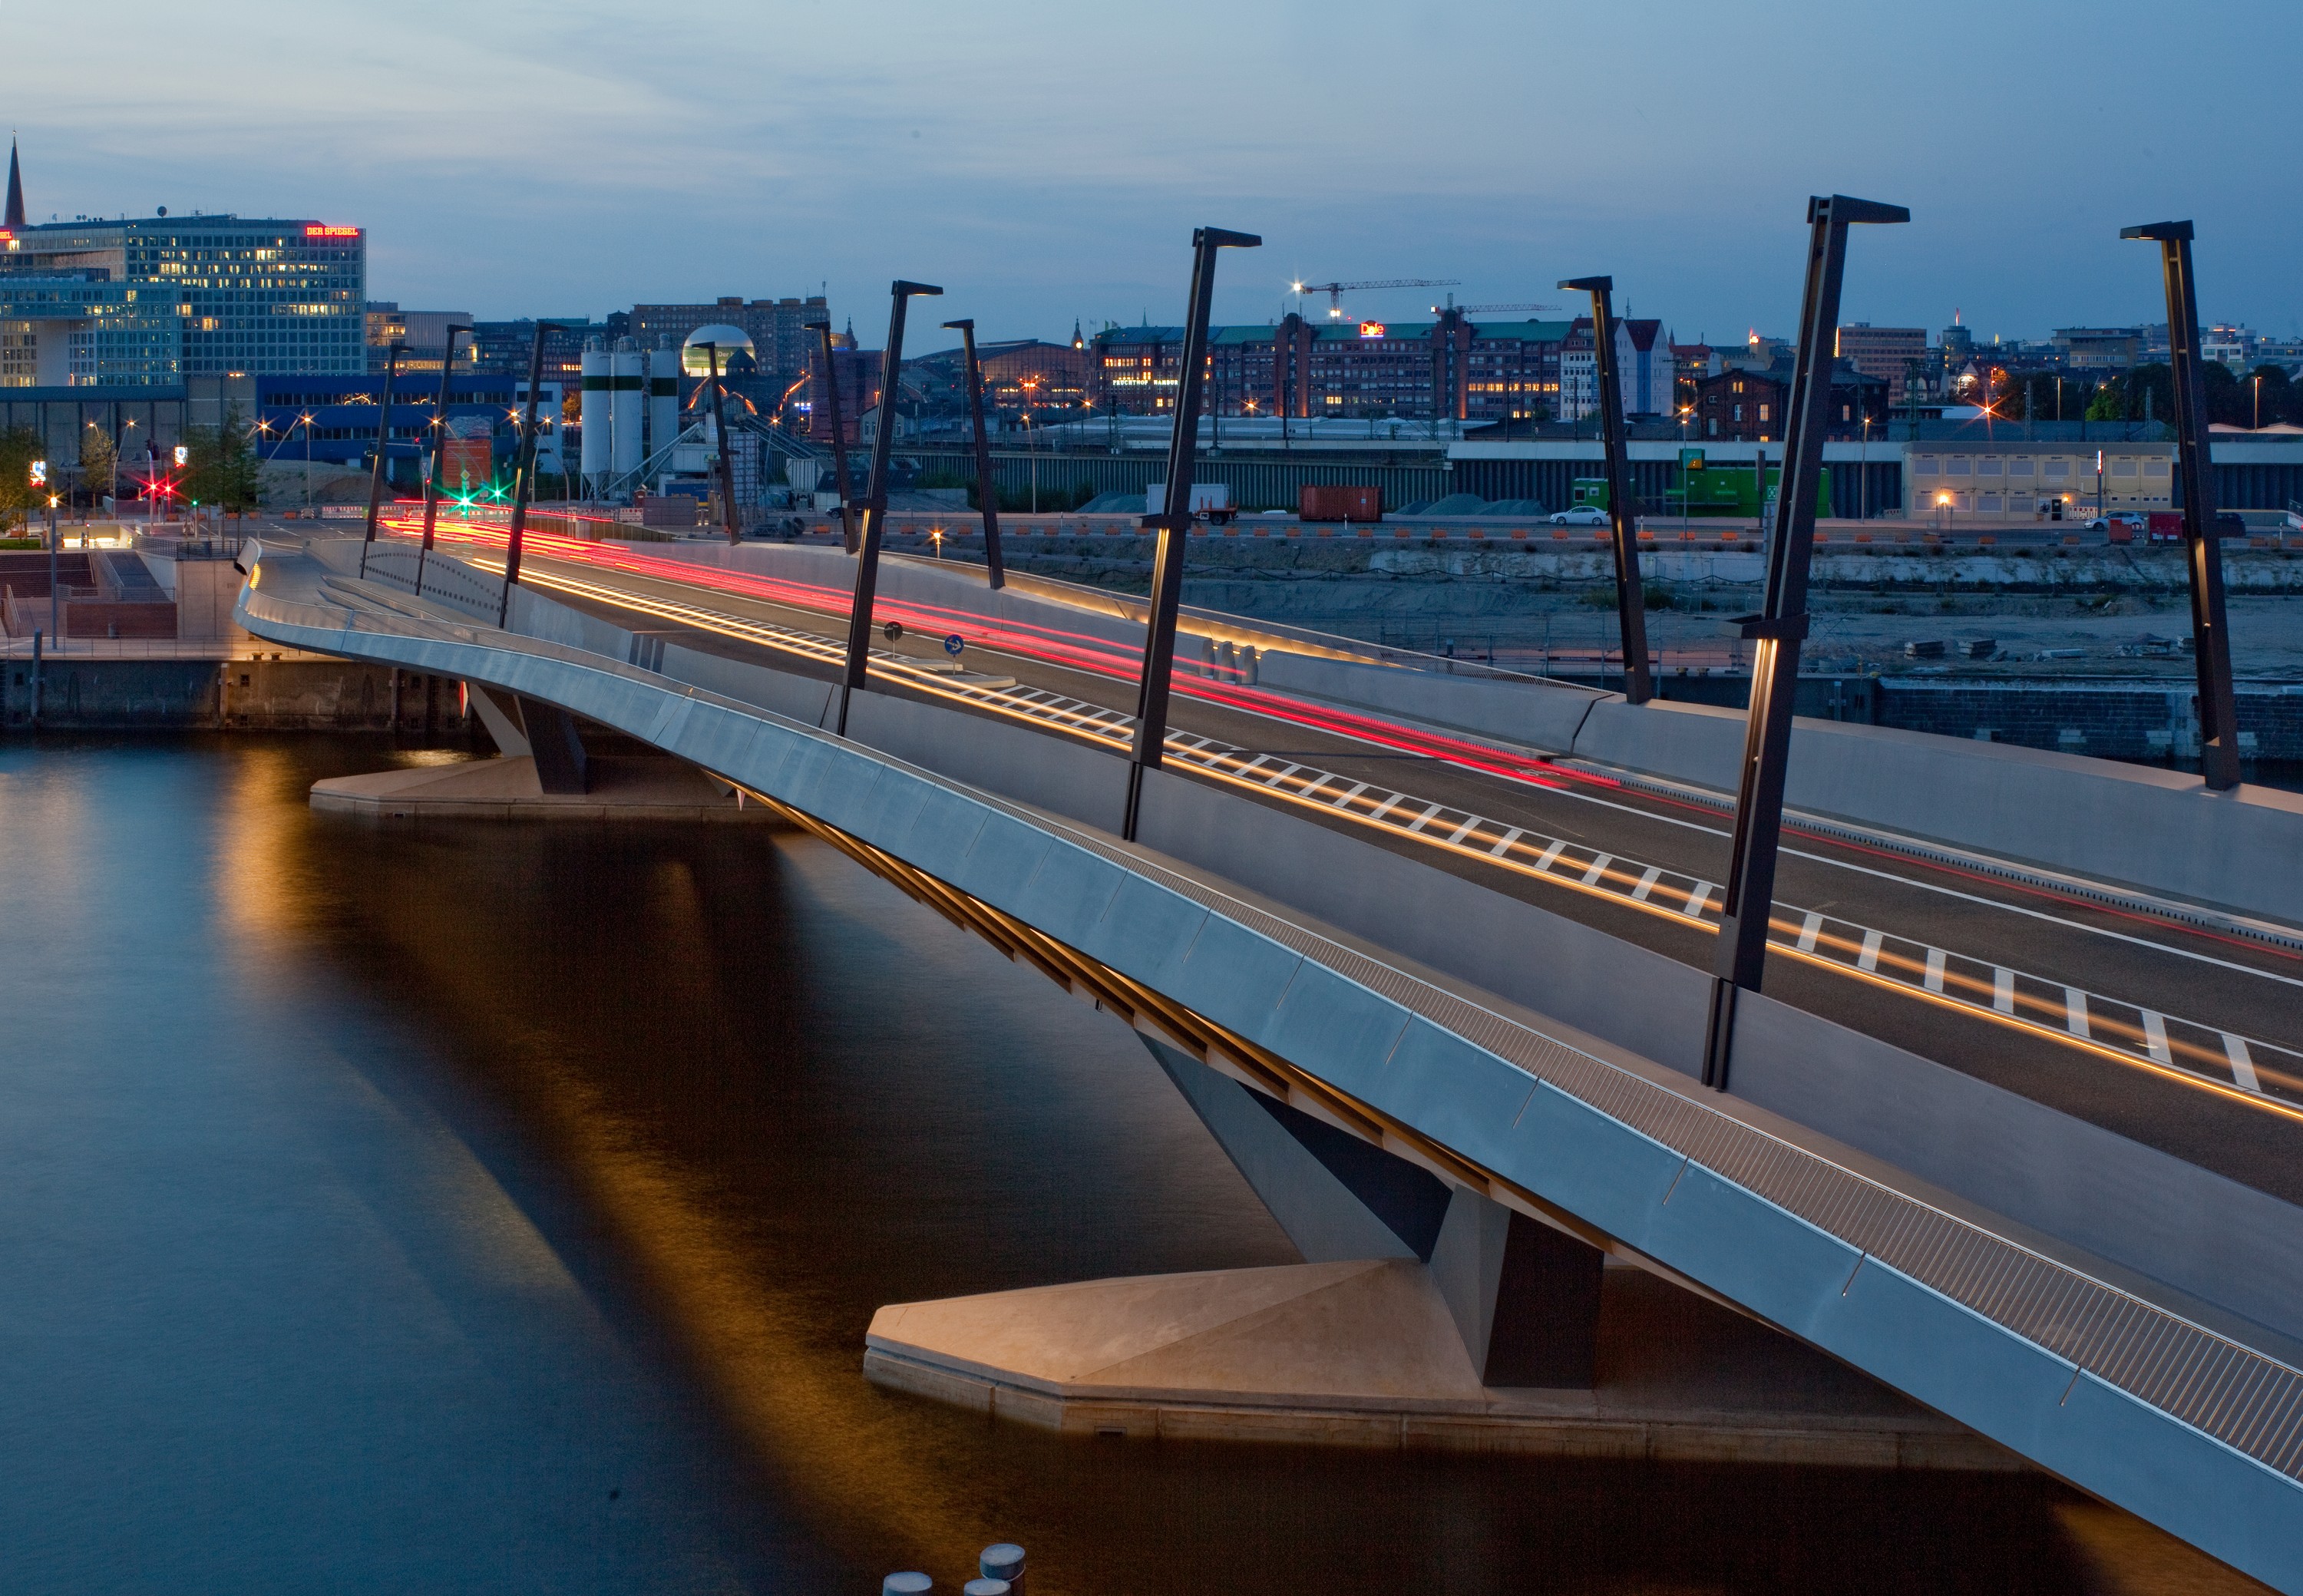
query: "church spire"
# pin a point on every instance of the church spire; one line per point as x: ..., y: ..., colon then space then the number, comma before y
x: 15, y: 216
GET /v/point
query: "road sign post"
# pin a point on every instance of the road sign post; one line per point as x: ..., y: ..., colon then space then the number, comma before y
x: 1777, y: 629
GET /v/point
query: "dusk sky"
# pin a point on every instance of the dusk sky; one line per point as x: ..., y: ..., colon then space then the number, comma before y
x: 1047, y: 162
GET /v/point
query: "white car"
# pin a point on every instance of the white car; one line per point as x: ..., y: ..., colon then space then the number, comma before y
x: 1583, y: 515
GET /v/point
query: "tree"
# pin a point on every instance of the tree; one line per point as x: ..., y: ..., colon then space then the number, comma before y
x: 221, y: 466
x: 99, y: 462
x: 2106, y: 402
x: 20, y: 446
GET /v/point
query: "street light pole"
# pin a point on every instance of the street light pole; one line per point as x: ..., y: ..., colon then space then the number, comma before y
x: 987, y: 495
x: 1631, y: 596
x: 382, y: 439
x: 1174, y: 523
x: 437, y: 477
x: 1777, y: 630
x: 875, y: 497
x: 727, y: 467
x: 2202, y: 551
x: 838, y: 440
x: 523, y: 485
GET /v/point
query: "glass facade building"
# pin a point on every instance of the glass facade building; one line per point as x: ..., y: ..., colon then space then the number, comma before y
x: 195, y: 295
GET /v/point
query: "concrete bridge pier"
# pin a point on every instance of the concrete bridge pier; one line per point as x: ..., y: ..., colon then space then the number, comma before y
x: 543, y: 772
x: 1426, y: 1315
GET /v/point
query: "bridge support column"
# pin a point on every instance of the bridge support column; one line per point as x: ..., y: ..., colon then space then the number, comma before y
x: 561, y: 766
x: 1523, y: 1297
x: 499, y: 711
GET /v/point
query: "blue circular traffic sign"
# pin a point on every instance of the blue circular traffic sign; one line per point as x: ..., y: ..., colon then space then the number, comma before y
x: 954, y: 643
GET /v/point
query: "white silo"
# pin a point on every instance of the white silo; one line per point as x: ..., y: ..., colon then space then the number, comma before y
x: 598, y: 407
x: 664, y: 394
x: 626, y: 372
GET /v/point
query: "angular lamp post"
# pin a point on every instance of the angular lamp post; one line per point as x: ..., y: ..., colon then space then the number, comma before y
x: 1777, y: 630
x: 727, y: 469
x: 2210, y: 634
x: 838, y: 440
x: 382, y: 438
x: 435, y: 480
x: 1174, y: 523
x: 984, y: 493
x: 1631, y: 598
x: 524, y: 475
x: 875, y: 497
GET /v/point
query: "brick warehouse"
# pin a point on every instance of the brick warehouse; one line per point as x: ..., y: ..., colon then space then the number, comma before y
x: 1450, y: 366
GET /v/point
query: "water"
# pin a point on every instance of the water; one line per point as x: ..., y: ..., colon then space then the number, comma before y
x: 502, y: 1209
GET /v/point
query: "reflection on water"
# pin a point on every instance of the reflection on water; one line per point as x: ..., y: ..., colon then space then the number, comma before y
x: 501, y: 1208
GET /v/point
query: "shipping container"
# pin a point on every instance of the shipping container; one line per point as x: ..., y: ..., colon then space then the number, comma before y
x: 1335, y: 502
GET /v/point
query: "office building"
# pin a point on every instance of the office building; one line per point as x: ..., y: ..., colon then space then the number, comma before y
x: 1450, y: 368
x: 505, y: 348
x: 2099, y: 349
x: 422, y: 334
x: 2068, y: 479
x: 1898, y: 357
x: 247, y: 296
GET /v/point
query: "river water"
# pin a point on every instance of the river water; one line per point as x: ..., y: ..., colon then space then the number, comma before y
x: 501, y: 1209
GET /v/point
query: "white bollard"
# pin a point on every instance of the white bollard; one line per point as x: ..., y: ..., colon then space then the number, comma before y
x: 905, y: 1585
x: 1003, y: 1562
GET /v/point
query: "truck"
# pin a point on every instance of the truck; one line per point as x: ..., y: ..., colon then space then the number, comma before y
x: 1210, y: 499
x: 2167, y: 526
x: 1698, y: 490
x: 1335, y: 501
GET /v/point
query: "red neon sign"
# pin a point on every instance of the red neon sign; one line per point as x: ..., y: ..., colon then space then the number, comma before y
x: 314, y: 230
x: 1371, y: 329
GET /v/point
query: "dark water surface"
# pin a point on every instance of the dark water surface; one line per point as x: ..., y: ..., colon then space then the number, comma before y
x: 501, y: 1209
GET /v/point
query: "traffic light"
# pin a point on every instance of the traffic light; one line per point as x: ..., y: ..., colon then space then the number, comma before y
x: 39, y: 473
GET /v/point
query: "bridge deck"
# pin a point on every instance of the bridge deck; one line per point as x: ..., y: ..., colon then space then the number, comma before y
x: 2155, y: 1381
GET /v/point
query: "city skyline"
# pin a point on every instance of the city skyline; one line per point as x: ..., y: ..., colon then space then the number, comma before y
x: 795, y: 153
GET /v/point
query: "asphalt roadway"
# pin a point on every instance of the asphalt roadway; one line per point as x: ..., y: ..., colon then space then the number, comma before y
x: 1622, y: 859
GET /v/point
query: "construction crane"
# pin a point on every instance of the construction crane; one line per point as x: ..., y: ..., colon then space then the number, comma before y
x: 1335, y: 290
x: 1487, y: 310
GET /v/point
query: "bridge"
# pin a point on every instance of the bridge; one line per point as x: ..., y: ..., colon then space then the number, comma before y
x: 1975, y: 1072
x: 2010, y: 1130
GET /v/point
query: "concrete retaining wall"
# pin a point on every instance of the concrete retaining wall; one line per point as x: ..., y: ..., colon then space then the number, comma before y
x: 162, y: 694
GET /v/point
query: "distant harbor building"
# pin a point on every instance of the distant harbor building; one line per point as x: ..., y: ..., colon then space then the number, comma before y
x: 2099, y: 349
x: 778, y: 328
x: 505, y: 348
x: 1885, y: 353
x: 151, y: 302
x: 1748, y: 407
x: 1980, y: 476
x: 424, y: 333
x: 1451, y: 368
